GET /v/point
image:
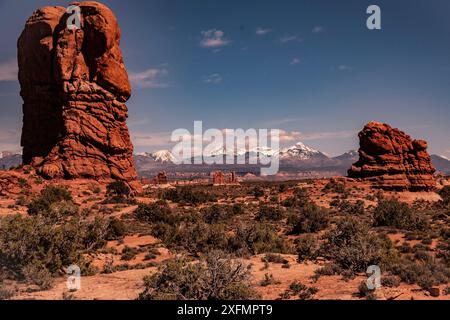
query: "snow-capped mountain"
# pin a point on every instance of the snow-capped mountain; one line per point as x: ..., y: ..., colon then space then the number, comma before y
x: 300, y: 151
x: 162, y: 156
x: 351, y: 155
x: 441, y: 163
x: 9, y: 160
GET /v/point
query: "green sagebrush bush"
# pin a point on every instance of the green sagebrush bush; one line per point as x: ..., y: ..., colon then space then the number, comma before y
x: 215, y: 277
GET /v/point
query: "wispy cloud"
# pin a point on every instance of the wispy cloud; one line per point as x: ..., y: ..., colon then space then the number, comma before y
x: 214, y: 39
x: 296, y: 136
x: 151, y: 140
x: 290, y: 38
x: 343, y: 68
x: 9, y: 70
x: 318, y: 29
x: 214, y: 78
x: 263, y: 31
x: 150, y: 79
x: 295, y: 61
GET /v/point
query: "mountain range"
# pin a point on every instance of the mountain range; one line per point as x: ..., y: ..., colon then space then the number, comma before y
x: 297, y: 158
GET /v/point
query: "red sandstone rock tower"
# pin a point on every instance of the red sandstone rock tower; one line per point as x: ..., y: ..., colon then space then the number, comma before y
x: 74, y: 85
x: 391, y: 160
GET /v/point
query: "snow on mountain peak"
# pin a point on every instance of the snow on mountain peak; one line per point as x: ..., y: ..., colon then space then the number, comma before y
x: 164, y: 156
x: 301, y: 151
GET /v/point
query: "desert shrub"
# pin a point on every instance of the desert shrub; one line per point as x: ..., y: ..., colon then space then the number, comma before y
x: 282, y: 188
x: 257, y: 238
x: 53, y: 202
x: 118, y: 189
x: 310, y: 219
x: 116, y: 229
x: 299, y: 200
x: 274, y: 258
x: 390, y: 281
x: 129, y: 253
x: 187, y: 195
x: 393, y: 213
x: 268, y: 280
x: 35, y: 249
x: 329, y: 269
x: 5, y: 294
x: 426, y: 271
x: 269, y: 213
x: 365, y: 292
x: 215, y: 277
x: 21, y: 201
x: 349, y: 208
x: 299, y: 290
x: 258, y: 192
x: 217, y: 213
x: 158, y: 212
x: 353, y: 247
x: 445, y: 195
x: 307, y: 248
x: 193, y: 237
x: 335, y: 187
x: 118, y: 192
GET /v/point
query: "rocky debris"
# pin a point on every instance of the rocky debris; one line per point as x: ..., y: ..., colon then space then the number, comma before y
x: 11, y: 182
x: 391, y: 160
x: 434, y: 292
x: 74, y: 85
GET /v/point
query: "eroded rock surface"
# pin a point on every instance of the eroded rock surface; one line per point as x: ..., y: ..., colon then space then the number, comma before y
x: 391, y: 160
x: 74, y: 85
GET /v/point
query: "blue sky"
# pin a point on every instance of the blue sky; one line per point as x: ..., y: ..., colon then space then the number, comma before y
x: 310, y: 68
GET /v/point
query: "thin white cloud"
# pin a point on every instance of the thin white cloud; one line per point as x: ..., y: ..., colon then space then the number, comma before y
x: 150, y: 79
x: 318, y: 29
x: 296, y: 136
x: 295, y: 61
x: 9, y: 70
x: 344, y: 68
x: 263, y: 31
x: 148, y: 140
x: 290, y: 38
x: 214, y: 78
x: 214, y: 39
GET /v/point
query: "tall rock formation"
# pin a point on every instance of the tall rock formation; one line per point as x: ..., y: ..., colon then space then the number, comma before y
x: 391, y: 160
x: 74, y: 85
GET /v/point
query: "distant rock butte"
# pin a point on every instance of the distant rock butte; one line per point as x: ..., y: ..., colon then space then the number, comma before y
x: 74, y: 85
x: 391, y: 160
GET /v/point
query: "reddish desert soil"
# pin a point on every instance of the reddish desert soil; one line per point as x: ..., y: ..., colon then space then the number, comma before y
x: 125, y: 285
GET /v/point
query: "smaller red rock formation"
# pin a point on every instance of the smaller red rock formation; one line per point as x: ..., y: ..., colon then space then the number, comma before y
x: 161, y: 178
x: 391, y: 160
x: 220, y: 178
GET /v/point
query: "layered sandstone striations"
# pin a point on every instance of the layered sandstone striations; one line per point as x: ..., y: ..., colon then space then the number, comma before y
x: 74, y: 85
x: 391, y: 160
